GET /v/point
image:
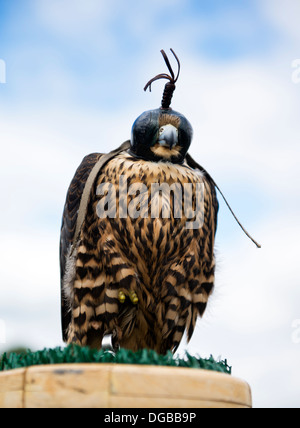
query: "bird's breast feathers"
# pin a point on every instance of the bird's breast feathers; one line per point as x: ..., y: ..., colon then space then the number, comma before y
x: 154, y: 207
x: 136, y: 188
x: 148, y: 239
x: 154, y: 171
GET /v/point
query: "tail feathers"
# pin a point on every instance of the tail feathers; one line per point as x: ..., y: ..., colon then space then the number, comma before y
x: 191, y: 321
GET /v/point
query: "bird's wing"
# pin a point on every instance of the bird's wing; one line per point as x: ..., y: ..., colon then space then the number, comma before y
x: 69, y: 222
x: 79, y: 189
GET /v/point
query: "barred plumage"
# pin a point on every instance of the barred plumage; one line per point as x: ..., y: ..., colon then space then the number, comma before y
x: 169, y: 267
x: 139, y: 267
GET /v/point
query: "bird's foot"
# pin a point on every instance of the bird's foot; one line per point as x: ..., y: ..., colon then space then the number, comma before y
x: 132, y: 296
x: 122, y: 297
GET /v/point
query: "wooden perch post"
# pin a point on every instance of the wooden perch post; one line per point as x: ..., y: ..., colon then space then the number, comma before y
x: 120, y: 386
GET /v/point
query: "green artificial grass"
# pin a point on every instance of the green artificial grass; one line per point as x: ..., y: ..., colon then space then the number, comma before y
x: 75, y: 354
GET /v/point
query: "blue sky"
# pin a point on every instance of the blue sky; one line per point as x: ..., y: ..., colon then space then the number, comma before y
x: 37, y: 38
x: 75, y: 76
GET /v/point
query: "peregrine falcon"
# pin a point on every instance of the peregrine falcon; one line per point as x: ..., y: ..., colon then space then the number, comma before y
x: 141, y: 266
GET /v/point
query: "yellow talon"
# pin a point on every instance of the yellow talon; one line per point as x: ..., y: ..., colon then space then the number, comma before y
x: 122, y: 297
x: 134, y: 298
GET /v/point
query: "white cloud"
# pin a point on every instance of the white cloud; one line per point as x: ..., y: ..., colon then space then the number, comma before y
x: 29, y: 289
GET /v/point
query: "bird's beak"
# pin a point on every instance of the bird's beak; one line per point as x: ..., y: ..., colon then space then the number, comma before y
x: 168, y: 136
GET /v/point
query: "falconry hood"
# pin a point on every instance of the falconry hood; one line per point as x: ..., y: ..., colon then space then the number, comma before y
x: 162, y: 134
